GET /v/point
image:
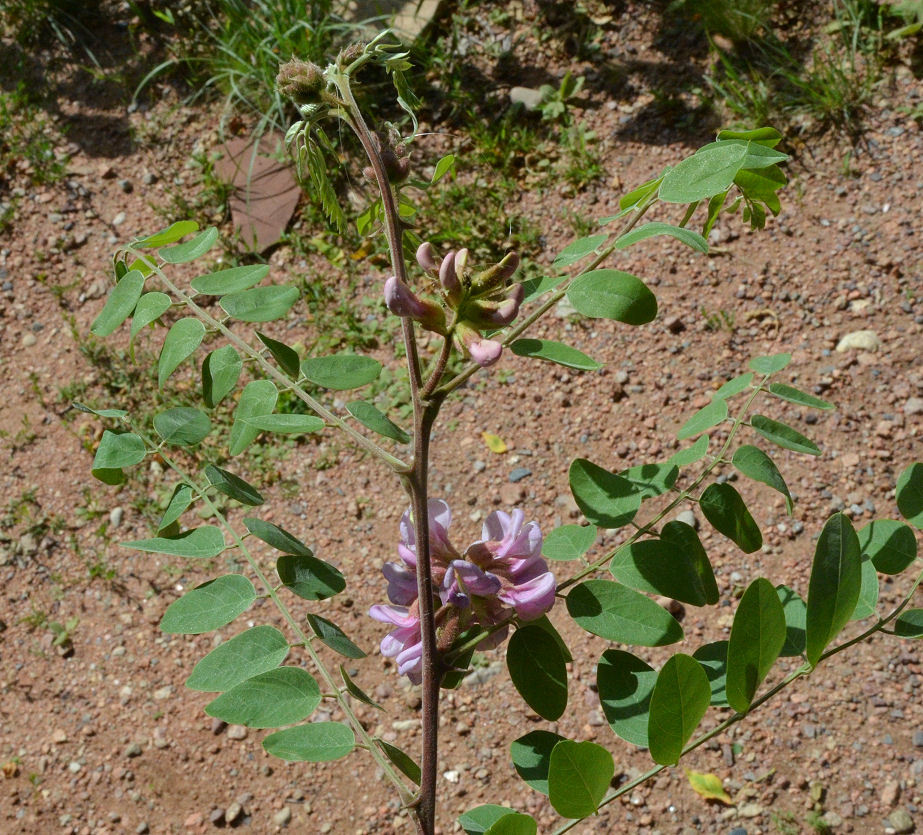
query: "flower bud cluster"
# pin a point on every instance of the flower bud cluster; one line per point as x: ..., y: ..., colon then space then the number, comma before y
x: 301, y: 81
x: 499, y: 577
x: 481, y: 301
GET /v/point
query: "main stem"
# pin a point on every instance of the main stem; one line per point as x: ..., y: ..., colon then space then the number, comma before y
x: 425, y: 410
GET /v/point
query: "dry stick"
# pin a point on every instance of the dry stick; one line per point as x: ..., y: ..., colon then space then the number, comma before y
x: 415, y: 481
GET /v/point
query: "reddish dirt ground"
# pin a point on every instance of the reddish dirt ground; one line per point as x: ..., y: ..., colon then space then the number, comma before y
x: 103, y: 737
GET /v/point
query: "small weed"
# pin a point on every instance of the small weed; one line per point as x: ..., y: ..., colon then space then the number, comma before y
x: 721, y: 320
x: 738, y: 20
x: 785, y: 822
x: 554, y: 103
x: 27, y: 144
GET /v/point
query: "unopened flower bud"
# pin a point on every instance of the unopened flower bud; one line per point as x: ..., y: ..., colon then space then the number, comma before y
x: 486, y: 314
x: 301, y: 81
x: 350, y: 54
x: 483, y: 351
x: 426, y: 258
x: 497, y: 275
x: 401, y: 301
x: 448, y: 278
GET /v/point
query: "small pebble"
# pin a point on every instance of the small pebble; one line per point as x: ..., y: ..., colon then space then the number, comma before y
x: 282, y: 817
x: 237, y: 732
x: 233, y: 812
x: 519, y: 473
x: 28, y: 340
x: 918, y: 739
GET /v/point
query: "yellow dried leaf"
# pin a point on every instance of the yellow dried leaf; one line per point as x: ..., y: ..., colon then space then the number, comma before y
x: 494, y: 443
x: 708, y: 786
x: 10, y: 769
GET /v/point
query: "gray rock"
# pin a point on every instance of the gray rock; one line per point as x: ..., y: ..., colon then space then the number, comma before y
x: 115, y: 516
x: 119, y: 219
x: 133, y: 750
x: 750, y: 810
x: 918, y: 739
x: 913, y: 406
x: 528, y: 97
x: 900, y: 820
x: 519, y: 473
x: 282, y: 817
x: 860, y: 341
x: 480, y: 466
x: 216, y: 817
x: 237, y: 732
x: 28, y: 340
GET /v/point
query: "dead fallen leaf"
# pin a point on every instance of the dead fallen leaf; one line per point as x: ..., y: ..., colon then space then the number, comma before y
x: 265, y: 190
x: 494, y: 443
x: 708, y: 786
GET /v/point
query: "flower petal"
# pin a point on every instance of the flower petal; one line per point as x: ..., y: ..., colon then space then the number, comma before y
x: 532, y: 599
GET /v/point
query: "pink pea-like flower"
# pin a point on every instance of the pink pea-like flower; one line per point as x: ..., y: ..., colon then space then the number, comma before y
x: 500, y: 577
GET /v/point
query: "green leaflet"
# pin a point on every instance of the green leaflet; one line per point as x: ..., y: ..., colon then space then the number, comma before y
x: 247, y: 654
x: 182, y: 426
x: 270, y: 699
x: 193, y: 248
x: 260, y: 304
x: 836, y: 579
x: 756, y: 464
x: 680, y: 698
x: 625, y: 684
x: 257, y: 399
x: 220, y: 372
x: 315, y: 742
x: 613, y: 294
x: 757, y: 637
x: 727, y: 513
x: 233, y: 280
x: 556, y: 352
x: 578, y: 777
x: 209, y: 606
x: 121, y: 302
x: 531, y: 755
x: 537, y: 669
x: 618, y: 613
x: 180, y: 343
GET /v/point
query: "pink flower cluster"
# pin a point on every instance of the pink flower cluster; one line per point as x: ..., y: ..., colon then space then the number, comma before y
x: 500, y: 576
x: 483, y: 301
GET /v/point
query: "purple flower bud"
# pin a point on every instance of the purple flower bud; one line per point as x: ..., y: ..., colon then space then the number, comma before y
x: 448, y: 278
x: 401, y: 301
x: 483, y: 351
x: 486, y: 314
x: 497, y: 276
x: 426, y: 258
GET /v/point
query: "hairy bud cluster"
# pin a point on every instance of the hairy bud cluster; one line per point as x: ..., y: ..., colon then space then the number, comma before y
x: 481, y: 301
x: 301, y: 81
x: 393, y: 155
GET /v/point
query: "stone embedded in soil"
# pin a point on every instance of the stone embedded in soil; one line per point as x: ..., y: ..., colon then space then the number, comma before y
x: 133, y: 750
x: 237, y: 732
x: 918, y: 739
x: 889, y: 794
x: 233, y: 812
x: 900, y: 820
x: 519, y: 473
x: 282, y: 817
x: 528, y: 97
x: 913, y: 406
x: 860, y: 341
